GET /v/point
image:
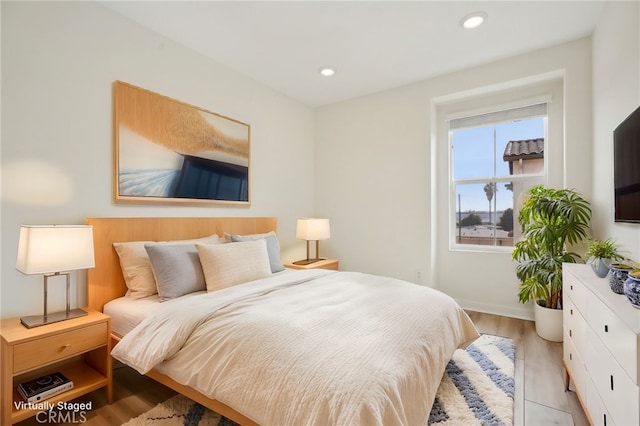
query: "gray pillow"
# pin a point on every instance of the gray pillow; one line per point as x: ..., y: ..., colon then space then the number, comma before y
x: 177, y: 269
x: 273, y: 248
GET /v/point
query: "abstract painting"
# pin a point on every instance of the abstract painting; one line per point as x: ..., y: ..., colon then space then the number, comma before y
x: 167, y: 151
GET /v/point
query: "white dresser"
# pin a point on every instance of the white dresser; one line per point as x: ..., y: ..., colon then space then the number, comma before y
x: 601, y: 332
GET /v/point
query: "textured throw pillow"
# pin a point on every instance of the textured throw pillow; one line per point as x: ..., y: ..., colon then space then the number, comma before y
x: 136, y: 268
x: 176, y: 268
x: 226, y: 265
x: 273, y: 247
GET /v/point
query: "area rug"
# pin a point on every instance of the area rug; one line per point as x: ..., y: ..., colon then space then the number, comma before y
x: 478, y: 385
x: 476, y: 389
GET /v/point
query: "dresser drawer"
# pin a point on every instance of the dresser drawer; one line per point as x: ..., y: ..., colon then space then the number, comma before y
x: 50, y: 349
x: 618, y: 392
x: 616, y: 336
x: 574, y: 289
x: 597, y: 411
x: 575, y: 325
x: 574, y: 363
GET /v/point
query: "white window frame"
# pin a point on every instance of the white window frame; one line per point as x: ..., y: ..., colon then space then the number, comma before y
x: 492, y: 115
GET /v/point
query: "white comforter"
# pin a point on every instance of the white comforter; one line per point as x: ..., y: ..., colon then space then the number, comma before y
x: 310, y: 347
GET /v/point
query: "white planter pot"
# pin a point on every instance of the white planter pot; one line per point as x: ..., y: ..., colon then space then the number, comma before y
x: 548, y: 323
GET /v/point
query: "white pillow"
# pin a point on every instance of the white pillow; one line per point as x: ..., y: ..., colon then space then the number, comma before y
x: 226, y: 265
x: 136, y: 267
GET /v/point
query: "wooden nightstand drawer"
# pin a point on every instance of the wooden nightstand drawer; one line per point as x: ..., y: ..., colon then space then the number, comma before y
x: 60, y: 346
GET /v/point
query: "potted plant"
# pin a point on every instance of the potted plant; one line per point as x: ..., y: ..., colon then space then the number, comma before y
x: 601, y: 254
x: 551, y: 220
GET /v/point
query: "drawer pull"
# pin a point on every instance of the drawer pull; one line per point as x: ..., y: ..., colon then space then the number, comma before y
x: 612, y: 382
x: 63, y: 347
x: 606, y: 328
x: 571, y: 286
x: 605, y: 419
x: 570, y: 333
x: 570, y: 357
x: 571, y: 311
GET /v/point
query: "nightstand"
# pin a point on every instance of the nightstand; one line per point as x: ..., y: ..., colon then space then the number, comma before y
x: 332, y: 264
x: 79, y: 348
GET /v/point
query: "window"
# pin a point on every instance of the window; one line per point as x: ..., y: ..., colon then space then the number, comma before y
x: 495, y: 157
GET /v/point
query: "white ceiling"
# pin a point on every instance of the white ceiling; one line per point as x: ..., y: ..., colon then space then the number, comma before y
x: 373, y: 45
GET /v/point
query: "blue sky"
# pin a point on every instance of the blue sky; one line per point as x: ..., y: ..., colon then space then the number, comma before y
x: 476, y: 155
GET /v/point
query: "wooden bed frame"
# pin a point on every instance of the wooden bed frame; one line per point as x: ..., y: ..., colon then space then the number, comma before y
x: 105, y: 282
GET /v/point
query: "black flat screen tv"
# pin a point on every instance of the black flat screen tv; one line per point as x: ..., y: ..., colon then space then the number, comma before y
x: 626, y: 169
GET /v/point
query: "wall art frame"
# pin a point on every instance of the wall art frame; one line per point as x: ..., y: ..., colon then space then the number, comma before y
x: 169, y: 152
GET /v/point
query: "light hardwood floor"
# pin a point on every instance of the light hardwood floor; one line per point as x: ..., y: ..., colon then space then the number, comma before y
x: 540, y: 399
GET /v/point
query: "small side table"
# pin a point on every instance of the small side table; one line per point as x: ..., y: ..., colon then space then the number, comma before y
x: 332, y: 264
x: 79, y: 348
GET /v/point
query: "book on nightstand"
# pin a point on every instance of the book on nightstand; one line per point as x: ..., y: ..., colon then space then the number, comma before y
x: 44, y: 387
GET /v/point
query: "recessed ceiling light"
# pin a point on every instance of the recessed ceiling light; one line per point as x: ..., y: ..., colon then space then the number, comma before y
x: 473, y: 20
x: 327, y: 71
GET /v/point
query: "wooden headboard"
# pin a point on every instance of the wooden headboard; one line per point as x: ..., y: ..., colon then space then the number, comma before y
x: 105, y: 282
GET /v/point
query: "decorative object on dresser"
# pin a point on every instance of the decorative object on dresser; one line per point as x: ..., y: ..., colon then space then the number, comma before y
x: 601, y: 254
x: 79, y: 349
x: 632, y: 288
x: 54, y: 250
x: 601, y: 342
x: 550, y: 220
x: 312, y: 230
x: 618, y: 275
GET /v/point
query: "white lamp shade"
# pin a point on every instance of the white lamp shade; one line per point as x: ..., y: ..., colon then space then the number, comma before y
x: 313, y: 229
x: 55, y: 248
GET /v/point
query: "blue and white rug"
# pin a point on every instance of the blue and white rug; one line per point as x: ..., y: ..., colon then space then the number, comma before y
x: 476, y: 389
x: 478, y: 385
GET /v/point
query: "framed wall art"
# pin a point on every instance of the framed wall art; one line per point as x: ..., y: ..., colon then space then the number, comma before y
x: 167, y: 151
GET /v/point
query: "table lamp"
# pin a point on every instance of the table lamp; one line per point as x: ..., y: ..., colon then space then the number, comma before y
x: 54, y: 250
x: 312, y: 230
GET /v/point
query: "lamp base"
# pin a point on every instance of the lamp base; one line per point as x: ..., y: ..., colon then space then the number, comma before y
x: 39, y: 320
x: 308, y: 261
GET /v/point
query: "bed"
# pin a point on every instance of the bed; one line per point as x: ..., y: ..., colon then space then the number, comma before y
x: 288, y: 347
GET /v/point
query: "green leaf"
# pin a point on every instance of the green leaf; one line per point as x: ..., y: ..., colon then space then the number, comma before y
x: 550, y: 219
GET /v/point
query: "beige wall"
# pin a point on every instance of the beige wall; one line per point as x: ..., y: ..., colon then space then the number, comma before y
x: 59, y: 60
x: 370, y: 162
x: 616, y: 93
x: 528, y: 166
x: 382, y: 173
x: 381, y: 180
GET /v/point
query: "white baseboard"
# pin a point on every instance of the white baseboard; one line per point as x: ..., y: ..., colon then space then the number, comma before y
x: 524, y: 312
